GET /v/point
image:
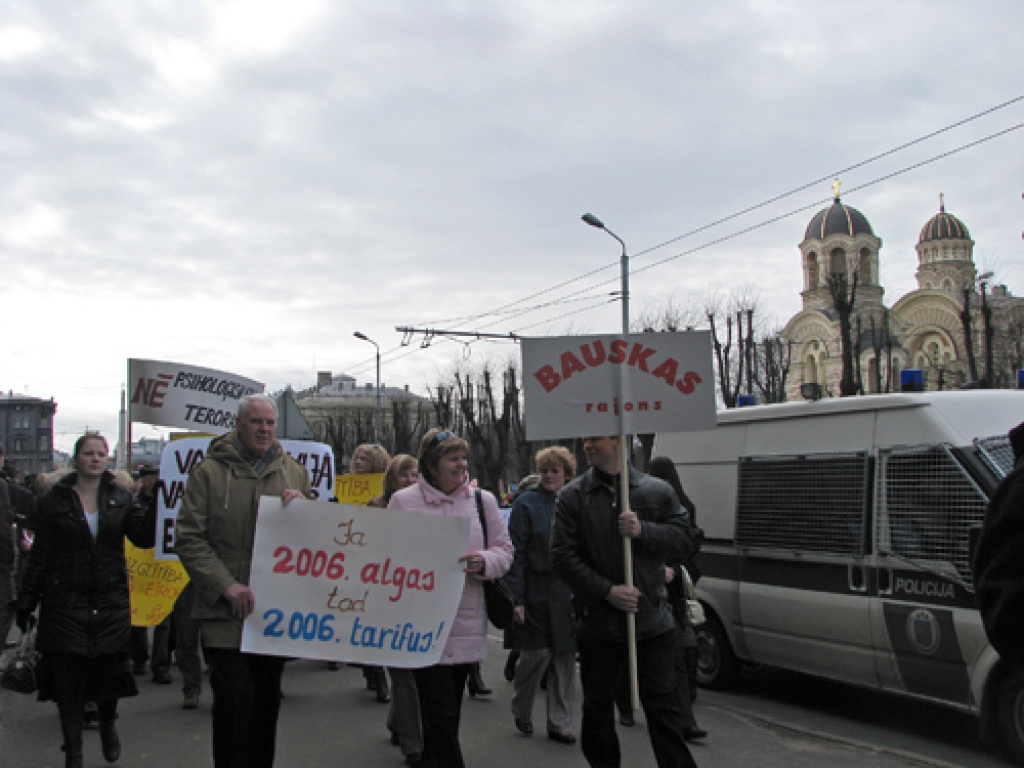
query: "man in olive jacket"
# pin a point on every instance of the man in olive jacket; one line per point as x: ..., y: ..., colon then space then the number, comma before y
x: 587, y: 554
x: 214, y: 539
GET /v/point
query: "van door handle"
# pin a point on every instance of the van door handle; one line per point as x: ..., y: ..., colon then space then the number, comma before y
x: 885, y: 581
x: 857, y: 580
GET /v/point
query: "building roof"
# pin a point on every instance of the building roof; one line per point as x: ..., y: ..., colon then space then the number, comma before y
x: 943, y: 226
x: 837, y: 219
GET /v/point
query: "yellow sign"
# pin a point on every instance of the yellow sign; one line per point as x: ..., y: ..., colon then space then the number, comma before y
x: 154, y: 585
x: 358, y: 489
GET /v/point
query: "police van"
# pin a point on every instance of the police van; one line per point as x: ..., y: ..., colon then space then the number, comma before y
x: 838, y: 543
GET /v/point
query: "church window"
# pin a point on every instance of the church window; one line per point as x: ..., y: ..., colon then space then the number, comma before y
x: 812, y: 270
x: 927, y: 284
x: 810, y: 370
x: 865, y: 267
x: 837, y: 261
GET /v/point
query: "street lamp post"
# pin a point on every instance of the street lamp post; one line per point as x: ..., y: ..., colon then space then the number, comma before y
x: 593, y: 221
x: 376, y: 410
x: 624, y: 450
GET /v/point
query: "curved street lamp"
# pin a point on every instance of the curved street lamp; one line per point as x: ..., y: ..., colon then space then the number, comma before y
x: 376, y: 410
x: 593, y: 221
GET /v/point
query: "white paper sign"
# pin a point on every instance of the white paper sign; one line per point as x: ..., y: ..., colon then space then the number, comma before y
x: 580, y: 386
x: 176, y: 395
x: 180, y: 457
x: 356, y: 584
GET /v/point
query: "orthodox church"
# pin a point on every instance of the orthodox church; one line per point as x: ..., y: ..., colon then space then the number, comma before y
x: 925, y: 329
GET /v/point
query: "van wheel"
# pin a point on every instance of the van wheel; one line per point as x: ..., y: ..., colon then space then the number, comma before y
x: 717, y: 666
x: 1010, y: 712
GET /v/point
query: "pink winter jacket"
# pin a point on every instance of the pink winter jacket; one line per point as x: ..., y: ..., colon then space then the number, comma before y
x: 467, y: 642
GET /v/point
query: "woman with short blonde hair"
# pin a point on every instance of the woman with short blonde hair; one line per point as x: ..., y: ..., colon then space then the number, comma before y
x: 543, y: 612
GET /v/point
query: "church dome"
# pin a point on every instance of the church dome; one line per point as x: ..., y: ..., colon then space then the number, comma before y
x: 837, y: 219
x: 943, y: 226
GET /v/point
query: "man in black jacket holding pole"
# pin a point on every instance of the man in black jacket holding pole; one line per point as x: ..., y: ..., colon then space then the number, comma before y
x: 587, y: 554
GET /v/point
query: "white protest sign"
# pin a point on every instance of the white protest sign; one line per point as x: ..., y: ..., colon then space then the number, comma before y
x: 180, y: 457
x: 176, y: 395
x: 356, y: 584
x: 580, y: 386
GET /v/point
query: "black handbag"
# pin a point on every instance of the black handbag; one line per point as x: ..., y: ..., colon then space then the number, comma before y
x: 20, y: 673
x: 501, y: 607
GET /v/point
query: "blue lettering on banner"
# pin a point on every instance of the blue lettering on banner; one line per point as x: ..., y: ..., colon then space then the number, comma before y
x: 402, y: 637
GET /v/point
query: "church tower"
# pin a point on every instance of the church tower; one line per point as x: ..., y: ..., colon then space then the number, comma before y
x: 839, y: 239
x: 945, y: 253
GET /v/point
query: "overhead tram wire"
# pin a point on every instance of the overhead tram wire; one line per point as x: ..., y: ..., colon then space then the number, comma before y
x: 750, y: 209
x: 801, y: 209
x: 518, y: 310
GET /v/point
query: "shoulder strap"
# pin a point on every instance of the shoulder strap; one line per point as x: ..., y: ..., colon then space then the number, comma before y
x: 480, y: 512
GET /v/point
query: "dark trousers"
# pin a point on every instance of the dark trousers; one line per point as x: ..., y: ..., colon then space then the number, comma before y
x: 441, y: 689
x: 246, y: 701
x: 682, y: 681
x: 161, y: 649
x: 186, y: 638
x: 70, y: 674
x: 600, y: 666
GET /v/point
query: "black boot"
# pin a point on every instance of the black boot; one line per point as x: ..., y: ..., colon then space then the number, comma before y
x: 510, y: 665
x: 110, y: 740
x: 477, y: 687
x: 383, y: 689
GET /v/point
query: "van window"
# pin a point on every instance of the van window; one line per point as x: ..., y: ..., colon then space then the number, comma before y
x: 997, y: 453
x: 927, y: 504
x: 813, y: 503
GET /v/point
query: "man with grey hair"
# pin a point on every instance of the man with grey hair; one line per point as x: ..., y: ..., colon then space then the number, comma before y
x: 214, y: 539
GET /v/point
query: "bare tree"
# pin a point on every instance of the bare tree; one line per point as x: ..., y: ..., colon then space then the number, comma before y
x: 484, y: 405
x: 844, y: 296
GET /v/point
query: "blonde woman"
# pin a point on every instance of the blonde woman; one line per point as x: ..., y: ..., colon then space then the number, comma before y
x: 543, y: 613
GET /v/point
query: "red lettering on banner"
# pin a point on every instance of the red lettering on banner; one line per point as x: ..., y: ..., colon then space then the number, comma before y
x: 548, y: 378
x: 151, y: 392
x: 570, y: 365
x: 640, y: 357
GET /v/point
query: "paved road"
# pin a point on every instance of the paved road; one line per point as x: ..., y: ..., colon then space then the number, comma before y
x: 329, y: 719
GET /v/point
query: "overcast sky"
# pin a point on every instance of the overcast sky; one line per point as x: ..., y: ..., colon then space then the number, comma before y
x: 242, y: 185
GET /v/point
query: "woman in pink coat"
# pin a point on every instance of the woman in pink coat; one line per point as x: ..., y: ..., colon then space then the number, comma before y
x: 443, y: 489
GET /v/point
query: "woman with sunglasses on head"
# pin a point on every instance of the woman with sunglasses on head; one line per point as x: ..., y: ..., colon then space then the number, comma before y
x: 443, y: 489
x: 77, y: 575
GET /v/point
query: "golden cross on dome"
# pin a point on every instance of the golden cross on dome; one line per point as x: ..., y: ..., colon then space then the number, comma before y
x: 942, y: 202
x: 835, y: 188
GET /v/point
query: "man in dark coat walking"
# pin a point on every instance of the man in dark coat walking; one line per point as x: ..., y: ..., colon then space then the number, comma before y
x: 587, y: 554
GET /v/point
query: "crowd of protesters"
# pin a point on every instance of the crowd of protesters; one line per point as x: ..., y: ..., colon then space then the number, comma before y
x: 62, y: 564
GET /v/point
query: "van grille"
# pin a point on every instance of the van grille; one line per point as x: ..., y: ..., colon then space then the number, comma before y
x: 812, y: 503
x: 997, y: 453
x: 927, y: 505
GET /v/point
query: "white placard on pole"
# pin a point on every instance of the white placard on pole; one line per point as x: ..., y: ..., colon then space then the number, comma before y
x: 579, y: 386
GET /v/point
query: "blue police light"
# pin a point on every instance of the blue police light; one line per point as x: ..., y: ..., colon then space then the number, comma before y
x: 1020, y: 379
x: 912, y: 380
x: 744, y: 400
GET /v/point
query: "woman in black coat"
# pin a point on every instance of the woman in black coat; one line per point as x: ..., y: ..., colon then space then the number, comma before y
x: 543, y: 613
x: 685, y: 666
x: 77, y: 575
